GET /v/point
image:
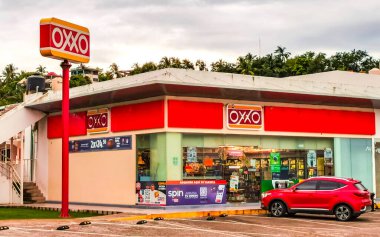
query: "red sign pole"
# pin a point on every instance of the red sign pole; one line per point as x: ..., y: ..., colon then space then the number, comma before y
x: 66, y: 41
x: 65, y: 138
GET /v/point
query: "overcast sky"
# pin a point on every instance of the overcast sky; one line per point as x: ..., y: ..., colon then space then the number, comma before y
x: 130, y: 31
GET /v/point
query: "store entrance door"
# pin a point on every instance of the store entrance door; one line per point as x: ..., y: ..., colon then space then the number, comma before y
x: 243, y: 172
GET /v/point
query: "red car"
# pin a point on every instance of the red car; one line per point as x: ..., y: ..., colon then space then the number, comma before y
x: 345, y: 198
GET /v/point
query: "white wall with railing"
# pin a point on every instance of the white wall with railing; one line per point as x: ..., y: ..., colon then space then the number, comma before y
x: 5, y: 190
x: 10, y: 184
x: 28, y: 161
x: 41, y: 157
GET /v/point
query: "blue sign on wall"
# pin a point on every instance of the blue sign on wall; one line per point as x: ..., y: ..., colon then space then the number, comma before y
x: 196, y: 192
x: 101, y: 144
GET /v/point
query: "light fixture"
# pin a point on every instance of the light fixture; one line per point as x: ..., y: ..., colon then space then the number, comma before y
x: 140, y: 161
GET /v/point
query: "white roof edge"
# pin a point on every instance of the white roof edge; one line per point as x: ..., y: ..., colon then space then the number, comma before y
x: 334, y: 83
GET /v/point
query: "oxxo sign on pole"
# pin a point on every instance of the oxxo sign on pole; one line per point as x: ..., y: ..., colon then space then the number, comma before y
x: 63, y: 40
x: 71, y: 43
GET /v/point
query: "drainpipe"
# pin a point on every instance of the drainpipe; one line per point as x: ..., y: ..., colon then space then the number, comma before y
x: 373, y: 166
x: 31, y: 161
x: 21, y: 157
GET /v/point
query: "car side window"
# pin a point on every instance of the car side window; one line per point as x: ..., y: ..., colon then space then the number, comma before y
x: 308, y: 185
x: 329, y: 185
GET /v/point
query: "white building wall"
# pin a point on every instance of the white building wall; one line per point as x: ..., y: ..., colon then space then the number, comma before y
x: 42, y: 157
x: 26, y: 153
x: 5, y: 191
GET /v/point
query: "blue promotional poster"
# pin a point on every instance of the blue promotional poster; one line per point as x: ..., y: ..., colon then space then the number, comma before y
x: 195, y: 192
x: 101, y: 144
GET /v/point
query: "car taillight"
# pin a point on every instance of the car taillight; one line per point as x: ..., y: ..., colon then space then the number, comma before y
x: 361, y: 194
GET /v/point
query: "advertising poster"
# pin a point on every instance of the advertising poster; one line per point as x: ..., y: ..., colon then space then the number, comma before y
x: 253, y: 164
x: 328, y: 153
x: 196, y: 192
x: 312, y: 159
x: 234, y: 183
x: 192, y: 154
x: 151, y: 193
x: 275, y: 158
x: 101, y: 144
x: 275, y: 162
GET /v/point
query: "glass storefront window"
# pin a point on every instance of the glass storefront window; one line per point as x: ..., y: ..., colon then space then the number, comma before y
x: 143, y: 158
x: 246, y: 167
x: 143, y: 164
x: 151, y: 157
x: 353, y: 158
x: 249, y: 164
x: 202, y: 163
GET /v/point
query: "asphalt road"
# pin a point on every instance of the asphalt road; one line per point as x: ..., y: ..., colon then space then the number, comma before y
x: 300, y: 225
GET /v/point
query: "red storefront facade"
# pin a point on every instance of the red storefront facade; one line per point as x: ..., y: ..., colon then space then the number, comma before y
x: 161, y: 134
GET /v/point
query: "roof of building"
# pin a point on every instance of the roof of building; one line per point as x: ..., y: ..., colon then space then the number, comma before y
x: 52, y: 74
x: 5, y: 108
x: 338, y: 88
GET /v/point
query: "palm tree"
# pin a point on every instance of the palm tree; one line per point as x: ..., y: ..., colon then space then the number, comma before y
x: 149, y: 66
x: 281, y: 53
x: 245, y: 64
x: 223, y: 66
x: 201, y: 65
x: 175, y: 62
x: 136, y: 69
x: 9, y: 72
x: 115, y: 70
x: 41, y: 70
x: 164, y: 63
x: 186, y: 64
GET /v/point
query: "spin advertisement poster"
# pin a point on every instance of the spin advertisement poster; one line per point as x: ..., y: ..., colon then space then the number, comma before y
x: 196, y: 192
x: 151, y: 193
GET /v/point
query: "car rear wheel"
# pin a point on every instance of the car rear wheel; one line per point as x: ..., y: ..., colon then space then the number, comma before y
x: 343, y: 212
x: 277, y: 209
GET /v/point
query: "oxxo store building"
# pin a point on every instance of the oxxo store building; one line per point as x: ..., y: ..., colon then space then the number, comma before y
x: 178, y: 137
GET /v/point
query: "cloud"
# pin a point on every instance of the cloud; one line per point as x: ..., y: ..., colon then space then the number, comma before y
x: 129, y: 31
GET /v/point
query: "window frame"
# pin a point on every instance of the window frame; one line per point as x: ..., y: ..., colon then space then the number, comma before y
x: 309, y: 181
x: 338, y: 185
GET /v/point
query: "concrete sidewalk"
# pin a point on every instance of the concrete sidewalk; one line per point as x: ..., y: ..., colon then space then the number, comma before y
x: 144, y: 212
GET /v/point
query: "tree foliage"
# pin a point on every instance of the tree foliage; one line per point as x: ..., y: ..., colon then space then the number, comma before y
x: 41, y: 70
x: 79, y: 80
x: 166, y: 62
x: 105, y: 76
x: 114, y: 70
x: 10, y: 90
x: 280, y: 63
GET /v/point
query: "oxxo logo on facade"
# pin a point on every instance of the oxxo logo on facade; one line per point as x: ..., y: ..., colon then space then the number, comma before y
x: 64, y: 40
x: 244, y: 117
x: 97, y: 121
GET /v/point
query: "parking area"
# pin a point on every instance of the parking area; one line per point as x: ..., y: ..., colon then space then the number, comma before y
x: 244, y: 225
